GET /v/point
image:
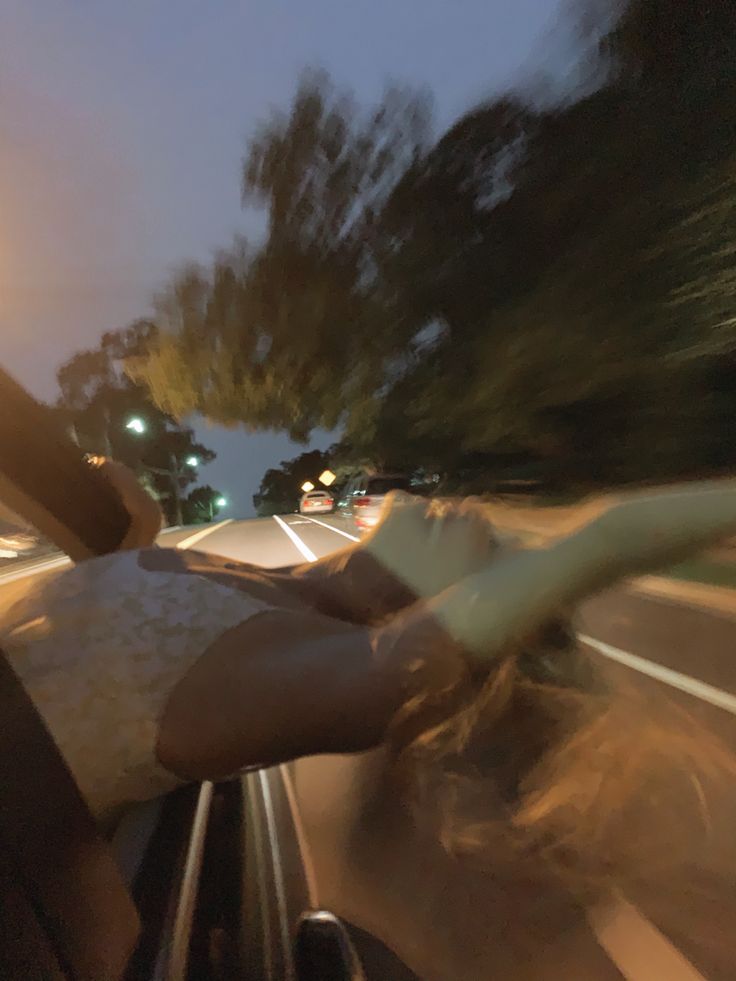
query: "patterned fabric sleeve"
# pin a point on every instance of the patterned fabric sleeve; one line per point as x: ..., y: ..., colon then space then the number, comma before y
x: 100, y: 647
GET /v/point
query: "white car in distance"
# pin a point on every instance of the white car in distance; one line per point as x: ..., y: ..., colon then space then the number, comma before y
x: 316, y: 502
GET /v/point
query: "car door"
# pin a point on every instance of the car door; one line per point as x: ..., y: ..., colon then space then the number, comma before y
x: 357, y: 491
x: 291, y: 931
x: 344, y: 504
x: 411, y: 908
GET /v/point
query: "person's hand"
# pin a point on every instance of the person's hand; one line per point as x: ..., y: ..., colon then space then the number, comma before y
x: 418, y: 549
x: 430, y: 544
x: 146, y: 518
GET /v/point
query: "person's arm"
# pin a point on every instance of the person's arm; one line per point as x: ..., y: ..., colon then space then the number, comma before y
x: 642, y: 533
x: 418, y: 549
x: 350, y: 584
x: 286, y: 684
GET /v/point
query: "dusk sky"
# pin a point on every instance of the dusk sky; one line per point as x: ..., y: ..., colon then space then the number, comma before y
x: 124, y: 125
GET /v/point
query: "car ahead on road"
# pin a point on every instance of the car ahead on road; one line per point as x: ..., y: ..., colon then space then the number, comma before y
x: 363, y: 497
x: 316, y: 502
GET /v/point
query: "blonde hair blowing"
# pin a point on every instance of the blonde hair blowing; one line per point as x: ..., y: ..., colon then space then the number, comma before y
x: 538, y: 756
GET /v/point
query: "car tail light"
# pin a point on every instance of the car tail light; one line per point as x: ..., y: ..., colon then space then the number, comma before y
x: 365, y: 524
x: 329, y: 501
x: 363, y: 502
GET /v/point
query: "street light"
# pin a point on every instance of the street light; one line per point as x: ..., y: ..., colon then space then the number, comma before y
x: 327, y: 477
x: 307, y: 486
x: 217, y: 502
x: 174, y: 472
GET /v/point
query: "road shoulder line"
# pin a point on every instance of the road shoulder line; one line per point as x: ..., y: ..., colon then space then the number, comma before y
x: 337, y: 531
x: 290, y: 533
x: 199, y: 535
x: 640, y: 951
x: 44, y: 566
x: 683, y: 682
x: 715, y: 599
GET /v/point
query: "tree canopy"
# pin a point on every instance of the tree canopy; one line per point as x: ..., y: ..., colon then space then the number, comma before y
x: 201, y: 505
x: 294, y: 335
x: 97, y: 401
x: 546, y: 283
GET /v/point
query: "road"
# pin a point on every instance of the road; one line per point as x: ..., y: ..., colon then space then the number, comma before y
x: 450, y: 922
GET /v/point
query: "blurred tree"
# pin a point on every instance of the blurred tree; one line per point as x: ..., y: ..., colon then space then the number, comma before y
x: 549, y: 287
x: 300, y: 333
x: 583, y: 267
x: 97, y: 401
x: 201, y: 505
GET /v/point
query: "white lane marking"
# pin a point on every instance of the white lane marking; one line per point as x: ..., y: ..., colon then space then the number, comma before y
x: 35, y: 569
x: 198, y: 536
x: 691, y: 595
x: 304, y: 549
x: 637, y: 948
x: 336, y: 530
x: 61, y: 560
x: 699, y: 689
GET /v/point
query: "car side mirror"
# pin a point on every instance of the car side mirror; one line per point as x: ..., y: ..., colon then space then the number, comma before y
x: 323, y: 950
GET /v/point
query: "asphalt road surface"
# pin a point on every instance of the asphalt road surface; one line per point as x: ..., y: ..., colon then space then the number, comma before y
x: 449, y: 921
